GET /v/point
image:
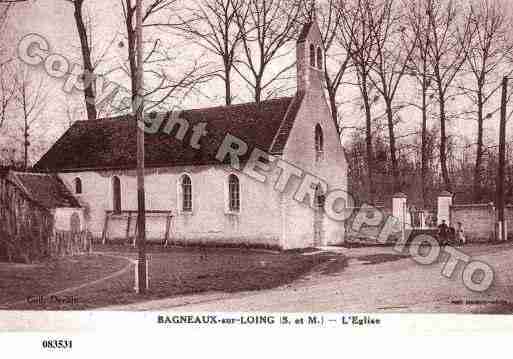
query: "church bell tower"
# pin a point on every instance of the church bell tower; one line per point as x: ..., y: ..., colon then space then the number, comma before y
x: 310, y: 57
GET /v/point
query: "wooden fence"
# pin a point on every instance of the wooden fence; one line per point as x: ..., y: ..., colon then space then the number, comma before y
x: 65, y: 243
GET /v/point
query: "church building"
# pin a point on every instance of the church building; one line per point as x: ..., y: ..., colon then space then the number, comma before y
x: 245, y: 174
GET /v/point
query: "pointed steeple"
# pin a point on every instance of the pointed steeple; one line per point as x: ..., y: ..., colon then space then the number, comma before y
x: 310, y: 55
x: 313, y: 11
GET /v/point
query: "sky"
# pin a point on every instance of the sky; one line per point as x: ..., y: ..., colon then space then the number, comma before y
x: 53, y: 19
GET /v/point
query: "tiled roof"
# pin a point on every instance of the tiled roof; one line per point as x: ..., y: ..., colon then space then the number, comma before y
x: 45, y: 189
x: 111, y: 143
x: 282, y: 136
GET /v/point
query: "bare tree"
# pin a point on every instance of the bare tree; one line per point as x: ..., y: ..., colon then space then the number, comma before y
x: 393, y: 55
x: 85, y: 47
x: 7, y: 92
x: 5, y: 8
x: 487, y: 54
x: 420, y: 69
x: 167, y: 85
x: 337, y: 60
x: 356, y: 37
x: 448, y: 39
x: 30, y: 101
x: 267, y: 26
x: 212, y: 24
x: 4, y: 12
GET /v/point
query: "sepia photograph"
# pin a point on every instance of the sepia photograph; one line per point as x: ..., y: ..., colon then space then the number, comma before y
x: 319, y: 163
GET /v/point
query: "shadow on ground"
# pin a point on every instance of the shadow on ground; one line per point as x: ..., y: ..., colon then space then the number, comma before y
x: 381, y: 258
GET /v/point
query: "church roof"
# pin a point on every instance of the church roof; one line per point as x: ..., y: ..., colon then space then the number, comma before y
x: 46, y: 190
x: 111, y: 143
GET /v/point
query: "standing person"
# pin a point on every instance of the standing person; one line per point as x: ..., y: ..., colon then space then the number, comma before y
x: 460, y: 234
x: 443, y: 231
x: 452, y: 235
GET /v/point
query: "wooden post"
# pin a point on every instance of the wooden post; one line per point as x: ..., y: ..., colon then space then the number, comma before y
x: 139, y: 112
x: 105, y: 228
x: 501, y: 225
x: 168, y: 227
x: 129, y: 222
x: 136, y: 233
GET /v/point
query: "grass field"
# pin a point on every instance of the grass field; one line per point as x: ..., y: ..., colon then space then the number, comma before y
x: 20, y: 281
x: 173, y: 272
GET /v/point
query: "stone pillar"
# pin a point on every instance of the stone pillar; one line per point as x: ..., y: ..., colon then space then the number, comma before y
x: 444, y: 208
x: 399, y: 209
x: 422, y: 217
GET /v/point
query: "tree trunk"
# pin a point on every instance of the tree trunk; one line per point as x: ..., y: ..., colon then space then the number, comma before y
x: 443, y: 145
x: 333, y: 106
x: 131, y: 49
x: 479, y: 149
x: 227, y: 85
x: 393, y: 151
x: 258, y: 90
x: 25, y: 129
x: 368, y: 139
x: 89, y: 92
x: 424, y: 159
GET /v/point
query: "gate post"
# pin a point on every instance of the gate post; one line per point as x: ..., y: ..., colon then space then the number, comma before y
x: 400, y: 211
x: 444, y: 208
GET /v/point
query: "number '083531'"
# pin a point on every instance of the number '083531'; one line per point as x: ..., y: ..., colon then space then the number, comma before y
x: 57, y: 344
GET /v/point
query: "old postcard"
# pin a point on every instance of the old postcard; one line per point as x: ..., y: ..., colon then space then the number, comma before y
x: 256, y: 163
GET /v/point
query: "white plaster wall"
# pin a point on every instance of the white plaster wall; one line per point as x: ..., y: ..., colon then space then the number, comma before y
x: 478, y: 220
x: 300, y: 151
x: 62, y: 217
x: 444, y: 205
x: 266, y: 216
x: 256, y: 223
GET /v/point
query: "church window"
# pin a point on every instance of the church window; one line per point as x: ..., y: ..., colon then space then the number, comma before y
x: 78, y: 186
x: 116, y: 195
x: 319, y: 143
x: 319, y: 58
x: 186, y: 193
x: 312, y: 55
x: 233, y: 193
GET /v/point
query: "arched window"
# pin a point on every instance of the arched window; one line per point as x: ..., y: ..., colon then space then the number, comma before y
x: 312, y: 55
x: 319, y: 58
x: 116, y: 195
x: 78, y: 186
x: 319, y: 143
x: 186, y: 191
x: 234, y: 193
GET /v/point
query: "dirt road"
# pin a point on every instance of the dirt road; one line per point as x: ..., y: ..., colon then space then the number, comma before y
x: 377, y: 280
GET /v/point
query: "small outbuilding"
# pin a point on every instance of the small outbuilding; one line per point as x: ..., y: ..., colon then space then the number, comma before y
x: 39, y: 217
x: 48, y: 191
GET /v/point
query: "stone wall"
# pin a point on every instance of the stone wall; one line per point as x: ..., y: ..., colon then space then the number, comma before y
x: 478, y: 220
x: 367, y: 233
